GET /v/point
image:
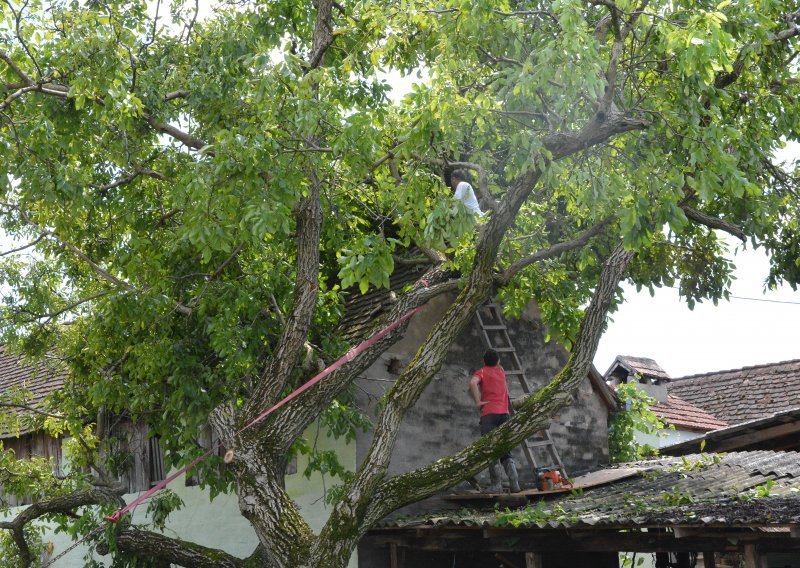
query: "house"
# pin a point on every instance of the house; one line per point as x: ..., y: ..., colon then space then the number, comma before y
x: 688, y: 510
x: 686, y: 418
x: 761, y: 404
x: 444, y: 420
x: 752, y: 408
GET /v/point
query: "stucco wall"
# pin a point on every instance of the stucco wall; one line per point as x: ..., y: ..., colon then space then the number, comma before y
x: 445, y: 420
x: 218, y: 523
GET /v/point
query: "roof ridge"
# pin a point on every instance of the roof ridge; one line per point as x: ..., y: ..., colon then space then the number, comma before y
x: 746, y: 368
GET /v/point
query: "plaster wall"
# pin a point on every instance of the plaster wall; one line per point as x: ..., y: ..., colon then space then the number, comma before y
x: 219, y: 523
x: 445, y: 419
x: 667, y: 437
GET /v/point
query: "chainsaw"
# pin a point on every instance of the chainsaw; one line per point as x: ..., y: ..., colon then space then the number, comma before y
x: 548, y: 479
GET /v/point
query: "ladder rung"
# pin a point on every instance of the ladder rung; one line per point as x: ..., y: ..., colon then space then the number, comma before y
x: 495, y: 327
x: 505, y: 349
x: 539, y: 443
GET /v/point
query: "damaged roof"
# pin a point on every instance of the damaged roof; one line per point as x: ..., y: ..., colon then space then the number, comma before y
x: 644, y: 366
x: 35, y: 379
x: 364, y: 311
x: 743, y: 489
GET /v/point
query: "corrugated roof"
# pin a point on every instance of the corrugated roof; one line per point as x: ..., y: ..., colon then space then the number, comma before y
x: 681, y: 414
x: 721, y: 490
x: 39, y: 378
x: 739, y: 395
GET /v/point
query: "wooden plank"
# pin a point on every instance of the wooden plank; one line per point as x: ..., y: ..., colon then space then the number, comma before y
x: 393, y: 556
x: 745, y: 439
x: 753, y: 558
x: 708, y: 560
x: 587, y: 481
x: 533, y: 560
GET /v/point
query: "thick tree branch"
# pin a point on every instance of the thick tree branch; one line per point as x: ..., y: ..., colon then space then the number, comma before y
x: 555, y: 250
x: 61, y: 91
x: 176, y: 133
x: 135, y: 542
x: 291, y: 420
x: 15, y: 68
x: 179, y: 94
x: 726, y: 79
x: 100, y: 271
x: 323, y: 33
x: 714, y: 222
x: 62, y: 504
x: 308, y: 215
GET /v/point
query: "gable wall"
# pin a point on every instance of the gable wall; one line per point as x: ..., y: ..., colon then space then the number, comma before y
x: 445, y: 420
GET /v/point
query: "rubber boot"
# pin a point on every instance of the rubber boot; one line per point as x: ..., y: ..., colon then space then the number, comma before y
x: 494, y: 477
x: 511, y: 472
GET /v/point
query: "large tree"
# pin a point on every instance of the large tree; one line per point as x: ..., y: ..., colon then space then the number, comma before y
x: 192, y: 197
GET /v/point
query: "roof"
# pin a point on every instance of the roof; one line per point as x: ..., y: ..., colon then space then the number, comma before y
x: 363, y: 312
x: 777, y: 432
x: 741, y: 395
x: 683, y: 415
x: 38, y: 379
x: 743, y: 489
x: 643, y: 366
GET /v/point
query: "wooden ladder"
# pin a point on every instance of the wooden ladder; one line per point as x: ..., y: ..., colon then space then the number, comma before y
x: 495, y: 336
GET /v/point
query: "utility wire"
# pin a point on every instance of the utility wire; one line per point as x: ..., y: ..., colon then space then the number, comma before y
x: 765, y: 300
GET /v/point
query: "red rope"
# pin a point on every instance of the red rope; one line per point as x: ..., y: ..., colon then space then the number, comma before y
x: 346, y: 358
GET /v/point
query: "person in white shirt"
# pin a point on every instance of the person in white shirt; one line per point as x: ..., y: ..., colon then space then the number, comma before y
x: 459, y: 181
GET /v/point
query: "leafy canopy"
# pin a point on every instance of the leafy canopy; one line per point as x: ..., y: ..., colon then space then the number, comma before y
x: 156, y: 167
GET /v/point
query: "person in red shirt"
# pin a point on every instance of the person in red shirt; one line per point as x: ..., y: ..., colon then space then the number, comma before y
x: 490, y: 393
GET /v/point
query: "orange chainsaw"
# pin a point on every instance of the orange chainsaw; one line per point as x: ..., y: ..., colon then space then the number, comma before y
x: 549, y: 479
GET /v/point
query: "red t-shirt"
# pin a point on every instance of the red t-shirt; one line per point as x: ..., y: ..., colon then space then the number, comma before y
x: 493, y: 390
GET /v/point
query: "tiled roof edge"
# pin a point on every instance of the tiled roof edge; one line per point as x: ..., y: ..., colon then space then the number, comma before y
x: 723, y: 371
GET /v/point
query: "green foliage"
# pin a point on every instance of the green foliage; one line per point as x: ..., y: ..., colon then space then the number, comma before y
x: 161, y: 506
x: 173, y: 257
x: 633, y: 416
x: 630, y: 559
x: 757, y: 492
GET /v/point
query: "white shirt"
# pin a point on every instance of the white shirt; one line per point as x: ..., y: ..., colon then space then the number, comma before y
x: 466, y: 195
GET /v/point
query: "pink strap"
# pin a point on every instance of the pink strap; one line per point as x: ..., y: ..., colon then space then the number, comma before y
x: 346, y: 358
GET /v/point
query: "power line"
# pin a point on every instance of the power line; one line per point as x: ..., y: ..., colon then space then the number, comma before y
x: 732, y: 297
x: 765, y: 300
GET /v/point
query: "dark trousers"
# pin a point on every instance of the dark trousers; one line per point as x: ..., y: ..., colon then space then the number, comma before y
x: 492, y: 421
